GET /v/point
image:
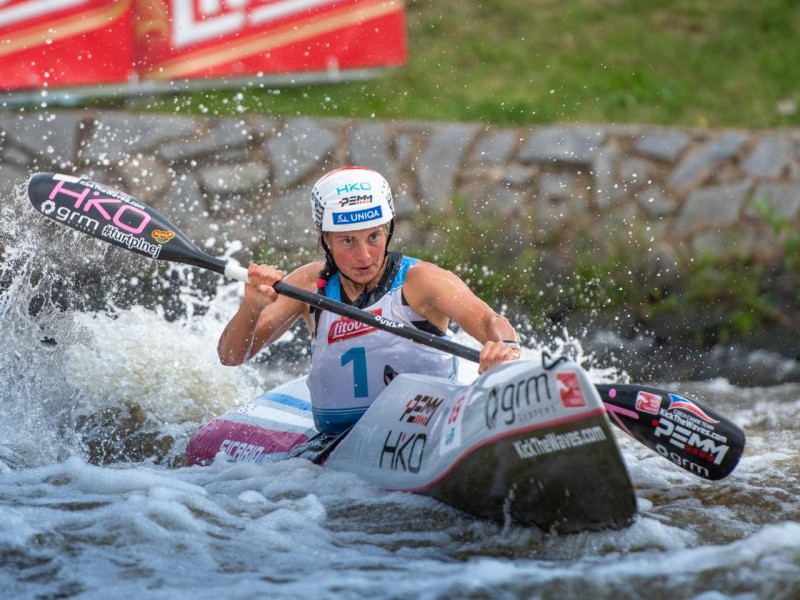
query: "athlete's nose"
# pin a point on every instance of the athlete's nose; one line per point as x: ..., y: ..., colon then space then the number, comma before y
x: 362, y: 251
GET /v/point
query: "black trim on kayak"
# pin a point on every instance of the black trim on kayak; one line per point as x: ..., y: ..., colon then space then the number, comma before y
x: 319, y: 447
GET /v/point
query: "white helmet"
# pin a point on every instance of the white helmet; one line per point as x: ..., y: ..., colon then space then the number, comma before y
x: 351, y: 198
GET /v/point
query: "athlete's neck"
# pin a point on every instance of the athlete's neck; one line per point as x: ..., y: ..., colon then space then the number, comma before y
x: 354, y: 289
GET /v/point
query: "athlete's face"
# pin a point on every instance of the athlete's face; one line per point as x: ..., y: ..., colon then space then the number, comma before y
x: 359, y: 254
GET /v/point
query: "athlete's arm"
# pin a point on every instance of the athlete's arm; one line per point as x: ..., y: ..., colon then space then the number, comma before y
x: 441, y: 296
x: 264, y: 316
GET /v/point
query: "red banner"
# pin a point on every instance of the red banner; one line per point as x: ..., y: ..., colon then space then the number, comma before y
x: 51, y: 43
x: 93, y: 42
x: 214, y: 38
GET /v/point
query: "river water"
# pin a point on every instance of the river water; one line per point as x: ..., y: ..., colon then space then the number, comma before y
x: 100, y: 395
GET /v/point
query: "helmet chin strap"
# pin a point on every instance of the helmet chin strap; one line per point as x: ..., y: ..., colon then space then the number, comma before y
x: 329, y: 256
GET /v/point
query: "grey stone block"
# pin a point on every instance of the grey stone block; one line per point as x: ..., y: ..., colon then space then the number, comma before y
x: 772, y: 157
x: 663, y: 145
x: 440, y: 162
x: 697, y: 166
x: 299, y: 150
x: 783, y: 198
x: 571, y: 145
x: 710, y: 207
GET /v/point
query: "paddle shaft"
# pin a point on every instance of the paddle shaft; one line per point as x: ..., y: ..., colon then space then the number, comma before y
x: 697, y: 438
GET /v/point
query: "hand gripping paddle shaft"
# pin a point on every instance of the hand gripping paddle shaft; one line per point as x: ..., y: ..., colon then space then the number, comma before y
x: 683, y: 431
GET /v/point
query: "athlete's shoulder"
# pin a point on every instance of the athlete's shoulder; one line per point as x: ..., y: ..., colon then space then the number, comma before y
x: 430, y: 280
x: 422, y: 269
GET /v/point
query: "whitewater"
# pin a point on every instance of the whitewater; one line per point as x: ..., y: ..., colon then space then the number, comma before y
x: 103, y: 381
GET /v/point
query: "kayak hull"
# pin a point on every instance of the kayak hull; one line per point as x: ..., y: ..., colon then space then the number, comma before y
x: 570, y: 491
x: 522, y: 443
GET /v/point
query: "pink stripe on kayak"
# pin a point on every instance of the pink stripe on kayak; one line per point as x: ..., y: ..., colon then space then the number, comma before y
x: 240, y: 441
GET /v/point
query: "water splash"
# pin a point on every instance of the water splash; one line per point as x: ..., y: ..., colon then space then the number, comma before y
x: 35, y: 415
x: 104, y: 356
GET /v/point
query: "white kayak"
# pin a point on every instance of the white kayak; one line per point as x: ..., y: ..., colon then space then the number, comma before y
x: 522, y: 443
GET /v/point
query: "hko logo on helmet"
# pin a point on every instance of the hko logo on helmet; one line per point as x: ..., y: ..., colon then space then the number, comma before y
x: 350, y: 188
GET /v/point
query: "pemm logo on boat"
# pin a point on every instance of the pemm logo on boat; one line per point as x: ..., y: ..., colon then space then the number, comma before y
x: 85, y: 206
x: 421, y: 409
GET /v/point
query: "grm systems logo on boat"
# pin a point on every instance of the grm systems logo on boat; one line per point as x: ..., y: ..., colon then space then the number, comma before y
x: 519, y: 402
x: 357, y: 216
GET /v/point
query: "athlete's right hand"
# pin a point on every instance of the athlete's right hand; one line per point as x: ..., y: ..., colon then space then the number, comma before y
x: 259, y: 291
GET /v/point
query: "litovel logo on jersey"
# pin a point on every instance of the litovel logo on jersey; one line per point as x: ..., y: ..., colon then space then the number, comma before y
x: 357, y: 216
x: 345, y: 328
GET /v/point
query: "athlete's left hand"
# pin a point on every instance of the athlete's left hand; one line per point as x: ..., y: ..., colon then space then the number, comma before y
x: 494, y: 353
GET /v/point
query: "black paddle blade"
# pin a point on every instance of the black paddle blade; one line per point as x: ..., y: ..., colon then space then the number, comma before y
x: 692, y: 436
x: 115, y: 217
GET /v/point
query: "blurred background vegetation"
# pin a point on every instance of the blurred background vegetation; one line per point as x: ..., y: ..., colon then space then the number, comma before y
x: 695, y: 63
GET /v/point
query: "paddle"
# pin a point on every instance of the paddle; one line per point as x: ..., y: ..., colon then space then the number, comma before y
x: 694, y: 437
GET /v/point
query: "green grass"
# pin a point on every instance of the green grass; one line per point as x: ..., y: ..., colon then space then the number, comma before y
x: 665, y: 62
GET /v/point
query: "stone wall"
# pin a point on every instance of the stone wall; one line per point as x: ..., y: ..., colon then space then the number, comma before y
x: 248, y: 178
x: 667, y: 194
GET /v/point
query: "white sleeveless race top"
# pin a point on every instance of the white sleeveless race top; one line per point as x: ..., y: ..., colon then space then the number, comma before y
x: 351, y: 363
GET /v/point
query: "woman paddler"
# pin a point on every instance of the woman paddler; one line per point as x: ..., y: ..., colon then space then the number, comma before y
x: 351, y: 363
